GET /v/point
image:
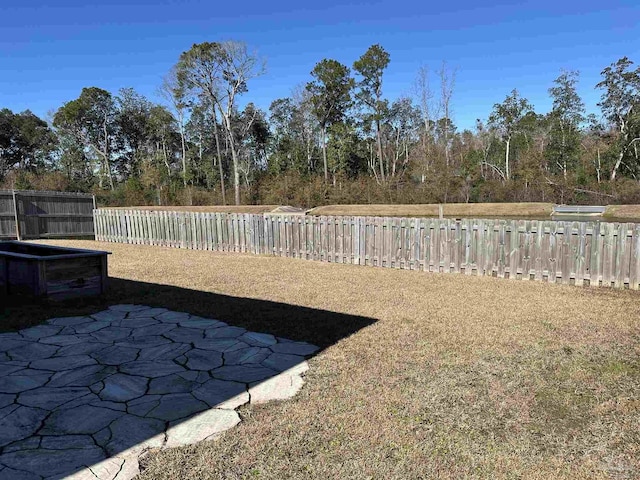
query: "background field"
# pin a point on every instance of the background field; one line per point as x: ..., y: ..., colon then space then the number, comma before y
x: 468, y: 210
x: 432, y: 210
x: 208, y: 208
x: 421, y: 375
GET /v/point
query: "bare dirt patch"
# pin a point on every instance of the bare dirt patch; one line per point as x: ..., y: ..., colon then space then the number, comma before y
x: 421, y: 375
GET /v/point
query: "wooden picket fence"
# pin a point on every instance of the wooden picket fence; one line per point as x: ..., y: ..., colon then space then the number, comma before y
x: 578, y: 253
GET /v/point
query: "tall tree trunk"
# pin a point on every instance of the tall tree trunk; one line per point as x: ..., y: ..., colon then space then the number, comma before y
x: 324, y: 153
x: 184, y: 148
x: 220, y: 169
x: 427, y: 147
x: 234, y: 159
x: 106, y: 155
x: 617, y: 165
x: 446, y: 137
x: 236, y: 172
x: 506, y: 160
x: 109, y: 174
x: 184, y: 164
x: 165, y: 154
x: 101, y: 176
x: 564, y: 156
x: 624, y: 133
x: 165, y: 158
x: 379, y: 140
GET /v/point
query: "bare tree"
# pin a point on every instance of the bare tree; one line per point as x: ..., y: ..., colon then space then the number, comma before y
x: 447, y: 82
x: 619, y: 102
x: 506, y: 118
x: 302, y: 101
x: 220, y: 72
x: 238, y: 67
x: 172, y: 91
x: 484, y: 138
x: 424, y: 98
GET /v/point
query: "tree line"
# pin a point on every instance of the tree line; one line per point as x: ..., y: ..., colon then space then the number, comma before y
x: 336, y: 139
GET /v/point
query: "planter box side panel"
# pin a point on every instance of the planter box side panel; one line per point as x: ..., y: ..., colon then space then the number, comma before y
x: 3, y: 276
x: 22, y: 276
x: 76, y: 277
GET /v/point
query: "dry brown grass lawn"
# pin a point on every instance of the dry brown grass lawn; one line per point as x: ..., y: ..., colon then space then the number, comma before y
x: 623, y: 211
x: 453, y: 376
x: 431, y: 210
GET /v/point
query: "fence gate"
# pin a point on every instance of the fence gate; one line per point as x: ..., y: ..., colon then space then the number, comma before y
x: 28, y: 214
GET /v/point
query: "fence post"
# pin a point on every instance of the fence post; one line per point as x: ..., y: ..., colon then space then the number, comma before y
x: 15, y: 211
x: 95, y: 236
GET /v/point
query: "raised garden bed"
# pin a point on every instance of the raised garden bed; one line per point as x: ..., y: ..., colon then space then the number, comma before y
x: 52, y: 272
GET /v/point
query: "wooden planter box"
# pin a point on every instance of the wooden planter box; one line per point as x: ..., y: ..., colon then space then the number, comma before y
x: 53, y: 272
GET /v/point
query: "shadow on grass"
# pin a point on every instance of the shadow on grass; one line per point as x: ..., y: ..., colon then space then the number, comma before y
x: 320, y: 327
x: 189, y: 382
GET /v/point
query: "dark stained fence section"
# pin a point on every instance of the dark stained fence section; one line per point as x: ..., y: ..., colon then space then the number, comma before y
x: 45, y: 214
x: 7, y: 215
x: 576, y: 253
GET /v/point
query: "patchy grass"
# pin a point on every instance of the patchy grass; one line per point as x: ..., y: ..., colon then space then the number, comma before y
x: 431, y: 210
x: 421, y: 375
x: 623, y: 212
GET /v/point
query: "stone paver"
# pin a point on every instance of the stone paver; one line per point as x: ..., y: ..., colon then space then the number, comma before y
x: 63, y: 363
x: 83, y: 397
x: 151, y: 369
x: 41, y: 331
x: 85, y: 419
x: 174, y: 406
x: 222, y: 393
x: 116, y: 355
x: 203, y: 359
x: 243, y: 373
x: 283, y: 361
x: 201, y: 427
x: 133, y: 432
x: 258, y: 339
x: 247, y: 356
x: 175, y: 383
x: 122, y: 387
x: 62, y: 340
x: 21, y: 383
x: 19, y: 423
x: 32, y: 351
x: 51, y: 397
x: 81, y: 377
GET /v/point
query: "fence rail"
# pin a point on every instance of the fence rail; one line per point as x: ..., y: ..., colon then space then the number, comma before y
x: 28, y: 214
x: 602, y: 254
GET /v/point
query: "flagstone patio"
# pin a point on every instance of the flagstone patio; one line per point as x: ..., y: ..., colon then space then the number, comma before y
x: 84, y: 397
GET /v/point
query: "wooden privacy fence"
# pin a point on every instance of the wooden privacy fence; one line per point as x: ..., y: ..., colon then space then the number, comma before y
x: 29, y: 214
x: 602, y: 254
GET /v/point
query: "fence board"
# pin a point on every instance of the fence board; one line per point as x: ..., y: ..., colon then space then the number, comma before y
x: 634, y: 274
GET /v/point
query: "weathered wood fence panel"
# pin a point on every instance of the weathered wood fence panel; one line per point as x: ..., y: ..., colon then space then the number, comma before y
x: 30, y: 214
x: 601, y: 254
x: 7, y: 215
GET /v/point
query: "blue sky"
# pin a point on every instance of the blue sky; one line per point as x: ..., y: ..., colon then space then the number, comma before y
x: 50, y: 50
